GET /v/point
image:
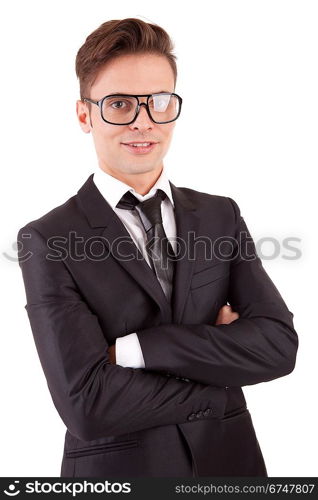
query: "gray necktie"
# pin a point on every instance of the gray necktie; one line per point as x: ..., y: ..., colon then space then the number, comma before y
x: 158, y: 246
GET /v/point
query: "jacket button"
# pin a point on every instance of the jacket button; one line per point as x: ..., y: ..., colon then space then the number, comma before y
x: 207, y: 412
x: 192, y: 416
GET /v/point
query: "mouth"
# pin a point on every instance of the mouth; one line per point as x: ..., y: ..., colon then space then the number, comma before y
x: 139, y: 147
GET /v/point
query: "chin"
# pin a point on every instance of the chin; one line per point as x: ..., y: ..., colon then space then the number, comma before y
x: 141, y: 169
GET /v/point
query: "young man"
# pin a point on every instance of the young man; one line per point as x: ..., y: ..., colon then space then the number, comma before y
x: 145, y: 327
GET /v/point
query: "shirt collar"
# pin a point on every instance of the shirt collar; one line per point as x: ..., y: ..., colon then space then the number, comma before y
x: 113, y: 189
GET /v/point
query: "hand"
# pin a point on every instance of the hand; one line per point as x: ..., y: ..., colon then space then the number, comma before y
x: 112, y: 354
x: 226, y: 315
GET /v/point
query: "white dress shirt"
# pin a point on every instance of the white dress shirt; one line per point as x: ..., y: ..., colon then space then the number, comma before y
x: 127, y: 349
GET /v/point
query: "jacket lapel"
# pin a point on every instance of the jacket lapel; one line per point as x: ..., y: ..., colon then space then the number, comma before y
x: 187, y: 221
x: 100, y: 215
x: 136, y: 266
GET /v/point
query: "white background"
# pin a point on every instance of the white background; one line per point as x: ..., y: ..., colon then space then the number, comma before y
x: 248, y: 130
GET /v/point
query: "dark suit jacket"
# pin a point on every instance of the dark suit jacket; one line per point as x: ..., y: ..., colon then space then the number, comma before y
x: 185, y: 413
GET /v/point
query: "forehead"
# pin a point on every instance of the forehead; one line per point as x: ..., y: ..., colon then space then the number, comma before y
x: 134, y: 74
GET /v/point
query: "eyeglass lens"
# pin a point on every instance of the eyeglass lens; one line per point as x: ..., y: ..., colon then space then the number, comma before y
x: 122, y: 109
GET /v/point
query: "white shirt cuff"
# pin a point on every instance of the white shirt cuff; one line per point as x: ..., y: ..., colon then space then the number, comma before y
x: 128, y: 351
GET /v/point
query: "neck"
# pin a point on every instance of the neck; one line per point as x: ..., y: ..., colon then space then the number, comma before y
x: 142, y: 183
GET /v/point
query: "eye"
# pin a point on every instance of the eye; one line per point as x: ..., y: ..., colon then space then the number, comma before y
x: 118, y: 102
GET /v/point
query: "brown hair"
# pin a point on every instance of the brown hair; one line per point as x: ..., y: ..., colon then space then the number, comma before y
x: 120, y: 37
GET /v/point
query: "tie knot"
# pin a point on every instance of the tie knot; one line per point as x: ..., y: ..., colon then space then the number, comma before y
x: 149, y: 210
x: 128, y: 201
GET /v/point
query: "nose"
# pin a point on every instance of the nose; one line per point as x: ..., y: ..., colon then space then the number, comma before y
x: 143, y: 120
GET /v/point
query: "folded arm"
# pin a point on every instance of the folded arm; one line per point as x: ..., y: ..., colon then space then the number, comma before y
x: 259, y: 346
x: 94, y: 397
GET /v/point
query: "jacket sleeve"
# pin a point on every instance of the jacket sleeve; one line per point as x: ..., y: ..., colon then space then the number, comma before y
x: 93, y: 397
x: 259, y: 346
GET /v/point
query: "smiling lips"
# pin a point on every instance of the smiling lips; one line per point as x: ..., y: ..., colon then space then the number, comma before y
x: 145, y: 143
x: 140, y: 147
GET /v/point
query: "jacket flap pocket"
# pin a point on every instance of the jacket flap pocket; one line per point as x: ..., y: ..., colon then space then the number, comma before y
x: 102, y: 448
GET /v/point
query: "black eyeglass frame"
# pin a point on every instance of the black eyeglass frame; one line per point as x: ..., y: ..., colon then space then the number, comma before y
x: 139, y: 104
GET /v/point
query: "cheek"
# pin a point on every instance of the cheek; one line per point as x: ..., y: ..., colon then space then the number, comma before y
x: 108, y: 139
x: 167, y: 133
x: 167, y: 139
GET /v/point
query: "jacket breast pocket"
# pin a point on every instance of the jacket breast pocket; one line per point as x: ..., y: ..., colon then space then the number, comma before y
x: 211, y: 274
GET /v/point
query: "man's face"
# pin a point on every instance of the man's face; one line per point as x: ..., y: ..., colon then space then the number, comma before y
x: 129, y: 74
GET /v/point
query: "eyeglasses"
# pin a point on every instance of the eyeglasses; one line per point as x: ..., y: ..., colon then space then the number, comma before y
x: 123, y: 109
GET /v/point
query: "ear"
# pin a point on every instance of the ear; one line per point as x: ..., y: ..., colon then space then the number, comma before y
x: 83, y: 116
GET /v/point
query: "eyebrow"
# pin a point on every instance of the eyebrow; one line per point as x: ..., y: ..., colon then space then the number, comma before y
x: 158, y: 92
